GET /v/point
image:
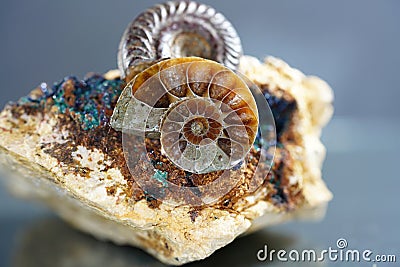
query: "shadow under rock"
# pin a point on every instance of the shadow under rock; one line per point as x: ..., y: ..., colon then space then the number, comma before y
x: 51, y: 242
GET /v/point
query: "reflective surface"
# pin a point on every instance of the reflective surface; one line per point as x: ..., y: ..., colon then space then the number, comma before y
x: 72, y: 248
x: 361, y: 169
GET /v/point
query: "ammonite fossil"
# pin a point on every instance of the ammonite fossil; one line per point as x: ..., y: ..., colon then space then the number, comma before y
x: 203, y: 113
x: 178, y: 29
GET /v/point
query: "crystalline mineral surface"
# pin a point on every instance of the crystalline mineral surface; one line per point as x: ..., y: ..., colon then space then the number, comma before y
x: 57, y: 147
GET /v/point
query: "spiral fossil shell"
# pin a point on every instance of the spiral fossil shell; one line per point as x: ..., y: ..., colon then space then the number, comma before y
x: 178, y: 29
x: 203, y: 113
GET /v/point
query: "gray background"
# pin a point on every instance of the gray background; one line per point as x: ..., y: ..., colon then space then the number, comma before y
x: 353, y: 45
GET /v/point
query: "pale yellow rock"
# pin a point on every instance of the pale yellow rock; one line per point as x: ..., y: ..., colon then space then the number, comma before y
x: 168, y: 232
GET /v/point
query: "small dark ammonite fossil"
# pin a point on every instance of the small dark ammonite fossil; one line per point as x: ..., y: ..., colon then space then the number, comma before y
x: 178, y: 29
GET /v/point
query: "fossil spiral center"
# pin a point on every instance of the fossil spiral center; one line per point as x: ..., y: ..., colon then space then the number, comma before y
x: 189, y: 43
x: 191, y: 133
x: 200, y: 128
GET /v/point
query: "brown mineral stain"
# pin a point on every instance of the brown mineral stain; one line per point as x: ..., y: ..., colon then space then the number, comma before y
x: 153, y: 203
x: 193, y: 215
x: 69, y: 95
x: 111, y: 190
x: 62, y: 152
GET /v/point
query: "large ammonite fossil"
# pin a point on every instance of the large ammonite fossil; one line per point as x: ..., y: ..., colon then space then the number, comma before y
x: 203, y: 113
